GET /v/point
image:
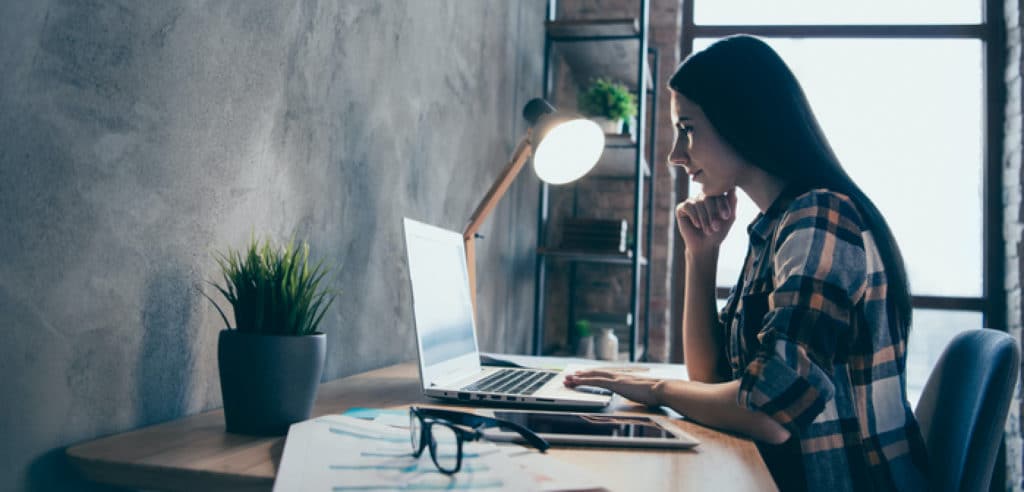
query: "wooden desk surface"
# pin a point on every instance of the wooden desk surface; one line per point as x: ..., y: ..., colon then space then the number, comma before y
x: 194, y: 453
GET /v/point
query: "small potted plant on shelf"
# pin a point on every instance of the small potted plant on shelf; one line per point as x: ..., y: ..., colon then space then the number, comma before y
x: 608, y: 103
x: 271, y: 360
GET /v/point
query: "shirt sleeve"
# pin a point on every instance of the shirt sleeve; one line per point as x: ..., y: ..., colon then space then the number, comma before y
x: 820, y: 275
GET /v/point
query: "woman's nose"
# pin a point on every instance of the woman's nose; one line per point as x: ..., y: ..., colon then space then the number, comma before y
x: 678, y: 157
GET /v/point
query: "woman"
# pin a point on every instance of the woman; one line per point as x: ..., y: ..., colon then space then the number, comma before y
x: 808, y: 355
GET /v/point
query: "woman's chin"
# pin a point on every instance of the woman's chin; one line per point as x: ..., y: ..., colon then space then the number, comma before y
x: 712, y: 190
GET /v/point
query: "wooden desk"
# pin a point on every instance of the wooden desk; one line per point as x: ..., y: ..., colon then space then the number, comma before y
x: 194, y: 453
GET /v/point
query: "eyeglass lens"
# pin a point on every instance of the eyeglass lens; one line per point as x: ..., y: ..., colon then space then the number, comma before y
x: 415, y: 431
x: 444, y: 447
x: 442, y: 439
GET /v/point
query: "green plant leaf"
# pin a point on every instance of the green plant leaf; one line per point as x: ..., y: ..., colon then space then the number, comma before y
x: 219, y: 310
x: 273, y: 290
x: 604, y: 97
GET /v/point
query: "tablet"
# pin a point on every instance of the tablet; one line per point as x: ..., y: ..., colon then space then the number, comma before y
x: 594, y: 429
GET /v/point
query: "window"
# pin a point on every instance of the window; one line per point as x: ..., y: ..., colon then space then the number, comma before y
x: 900, y: 91
x: 835, y: 12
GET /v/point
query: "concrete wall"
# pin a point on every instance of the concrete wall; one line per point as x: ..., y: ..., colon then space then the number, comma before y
x: 136, y: 138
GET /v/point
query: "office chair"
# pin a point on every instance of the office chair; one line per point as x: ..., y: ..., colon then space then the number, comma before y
x: 963, y: 408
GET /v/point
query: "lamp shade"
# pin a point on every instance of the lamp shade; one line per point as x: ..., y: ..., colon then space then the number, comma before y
x: 565, y: 146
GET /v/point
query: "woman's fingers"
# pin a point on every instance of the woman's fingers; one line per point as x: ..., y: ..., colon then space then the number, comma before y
x: 707, y: 214
x: 707, y: 221
x: 594, y: 373
x: 606, y: 383
x: 598, y: 378
x: 704, y: 221
x: 632, y: 388
x: 697, y: 209
x: 607, y: 376
x: 685, y: 212
x: 696, y: 212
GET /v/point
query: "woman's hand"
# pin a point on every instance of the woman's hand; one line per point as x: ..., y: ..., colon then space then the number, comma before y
x: 704, y: 221
x: 640, y: 390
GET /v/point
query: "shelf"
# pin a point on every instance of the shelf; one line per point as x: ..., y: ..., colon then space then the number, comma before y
x: 619, y: 141
x: 601, y: 48
x: 579, y: 51
x: 590, y: 256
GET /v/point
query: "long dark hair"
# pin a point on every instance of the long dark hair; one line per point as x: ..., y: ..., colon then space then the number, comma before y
x: 756, y: 104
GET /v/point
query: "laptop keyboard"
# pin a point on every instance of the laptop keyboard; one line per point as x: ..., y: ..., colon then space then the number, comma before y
x: 512, y: 381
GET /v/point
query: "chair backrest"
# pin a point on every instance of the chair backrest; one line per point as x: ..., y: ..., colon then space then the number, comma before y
x: 963, y: 408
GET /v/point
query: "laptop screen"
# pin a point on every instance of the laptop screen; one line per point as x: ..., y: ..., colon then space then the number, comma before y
x: 440, y: 288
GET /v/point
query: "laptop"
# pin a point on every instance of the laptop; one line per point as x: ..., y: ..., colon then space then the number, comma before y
x: 449, y: 358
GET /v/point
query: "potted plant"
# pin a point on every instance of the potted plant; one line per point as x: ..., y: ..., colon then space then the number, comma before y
x: 271, y: 360
x: 609, y: 103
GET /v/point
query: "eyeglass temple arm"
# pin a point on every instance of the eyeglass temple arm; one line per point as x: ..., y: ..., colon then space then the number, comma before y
x: 473, y: 420
x: 535, y: 440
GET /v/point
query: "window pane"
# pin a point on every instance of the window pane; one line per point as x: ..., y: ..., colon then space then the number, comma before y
x: 797, y: 12
x: 910, y: 134
x: 932, y: 331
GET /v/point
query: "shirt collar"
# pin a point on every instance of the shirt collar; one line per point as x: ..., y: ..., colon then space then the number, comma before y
x: 765, y: 222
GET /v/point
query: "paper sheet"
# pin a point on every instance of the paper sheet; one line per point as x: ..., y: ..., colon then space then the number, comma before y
x: 386, y: 416
x: 339, y: 453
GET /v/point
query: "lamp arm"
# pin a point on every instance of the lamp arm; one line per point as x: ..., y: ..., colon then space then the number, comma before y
x: 522, y: 153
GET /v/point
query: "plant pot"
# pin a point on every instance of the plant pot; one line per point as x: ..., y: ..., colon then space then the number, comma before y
x: 630, y: 128
x: 268, y: 382
x: 585, y: 347
x: 608, y: 125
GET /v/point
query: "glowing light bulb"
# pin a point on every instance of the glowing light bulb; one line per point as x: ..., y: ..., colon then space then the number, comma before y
x: 568, y: 151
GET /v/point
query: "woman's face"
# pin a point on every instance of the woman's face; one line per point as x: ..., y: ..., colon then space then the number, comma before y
x: 698, y: 149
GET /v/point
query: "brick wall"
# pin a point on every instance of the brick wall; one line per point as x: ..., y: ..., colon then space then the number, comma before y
x: 1013, y: 178
x: 606, y: 288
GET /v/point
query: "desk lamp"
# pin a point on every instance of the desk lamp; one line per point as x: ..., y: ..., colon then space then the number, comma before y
x: 564, y: 147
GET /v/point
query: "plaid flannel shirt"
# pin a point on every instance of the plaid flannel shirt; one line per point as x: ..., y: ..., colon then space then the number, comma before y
x: 808, y: 336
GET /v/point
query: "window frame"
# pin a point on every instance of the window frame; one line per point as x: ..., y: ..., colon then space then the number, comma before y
x: 991, y: 32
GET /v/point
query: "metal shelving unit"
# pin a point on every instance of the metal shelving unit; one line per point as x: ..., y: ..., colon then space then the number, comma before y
x: 616, y: 48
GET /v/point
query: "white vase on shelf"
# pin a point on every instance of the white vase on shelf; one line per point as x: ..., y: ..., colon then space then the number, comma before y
x: 607, y: 345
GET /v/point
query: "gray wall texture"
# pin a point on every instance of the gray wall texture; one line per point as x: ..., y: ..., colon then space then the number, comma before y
x: 137, y: 138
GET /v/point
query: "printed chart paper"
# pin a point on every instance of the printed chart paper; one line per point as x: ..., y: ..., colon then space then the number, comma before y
x: 339, y: 453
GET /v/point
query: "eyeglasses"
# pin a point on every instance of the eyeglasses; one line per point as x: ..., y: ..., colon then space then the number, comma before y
x: 444, y: 431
